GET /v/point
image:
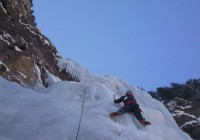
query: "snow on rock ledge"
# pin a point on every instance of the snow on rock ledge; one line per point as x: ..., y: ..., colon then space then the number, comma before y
x: 72, y: 67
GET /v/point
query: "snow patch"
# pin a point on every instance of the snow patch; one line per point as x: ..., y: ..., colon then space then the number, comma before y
x: 7, y: 69
x: 29, y: 27
x: 20, y: 81
x: 180, y: 113
x: 34, y: 33
x: 50, y: 78
x: 5, y: 37
x: 8, y: 36
x: 23, y: 75
x: 57, y: 54
x: 181, y: 99
x: 18, y: 49
x: 4, y: 40
x: 3, y: 8
x: 38, y: 84
x: 185, y: 107
x: 46, y: 42
x: 171, y: 105
x: 191, y: 123
x: 15, y: 3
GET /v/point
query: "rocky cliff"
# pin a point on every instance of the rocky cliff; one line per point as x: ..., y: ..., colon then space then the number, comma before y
x: 182, y: 101
x: 26, y: 55
x: 187, y: 115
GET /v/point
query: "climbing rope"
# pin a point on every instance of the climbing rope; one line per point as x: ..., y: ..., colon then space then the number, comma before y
x: 79, y: 125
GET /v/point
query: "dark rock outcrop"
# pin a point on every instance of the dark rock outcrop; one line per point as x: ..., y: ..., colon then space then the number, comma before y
x: 25, y: 52
x: 187, y: 114
x: 182, y: 101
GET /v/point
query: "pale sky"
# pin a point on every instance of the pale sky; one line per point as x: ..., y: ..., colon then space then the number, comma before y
x: 148, y: 43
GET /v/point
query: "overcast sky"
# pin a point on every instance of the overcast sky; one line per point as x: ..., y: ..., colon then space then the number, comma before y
x: 148, y: 43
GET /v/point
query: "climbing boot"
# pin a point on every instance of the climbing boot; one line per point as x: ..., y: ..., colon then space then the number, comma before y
x: 114, y: 114
x: 143, y: 122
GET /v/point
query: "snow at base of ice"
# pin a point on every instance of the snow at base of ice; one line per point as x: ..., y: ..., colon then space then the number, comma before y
x: 54, y: 113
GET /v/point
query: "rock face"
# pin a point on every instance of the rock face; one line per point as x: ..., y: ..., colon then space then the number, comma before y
x: 187, y: 115
x: 182, y: 100
x: 26, y: 55
x: 19, y: 10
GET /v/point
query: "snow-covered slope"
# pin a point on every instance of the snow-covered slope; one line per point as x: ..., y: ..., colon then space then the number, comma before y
x: 54, y: 113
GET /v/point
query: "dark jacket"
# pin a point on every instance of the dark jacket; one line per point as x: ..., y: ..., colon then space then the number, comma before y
x: 127, y: 100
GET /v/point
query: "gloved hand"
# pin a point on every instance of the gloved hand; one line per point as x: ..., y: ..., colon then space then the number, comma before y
x: 115, y: 101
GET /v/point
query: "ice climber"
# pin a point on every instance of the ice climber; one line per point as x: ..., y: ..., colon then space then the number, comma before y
x: 130, y: 105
